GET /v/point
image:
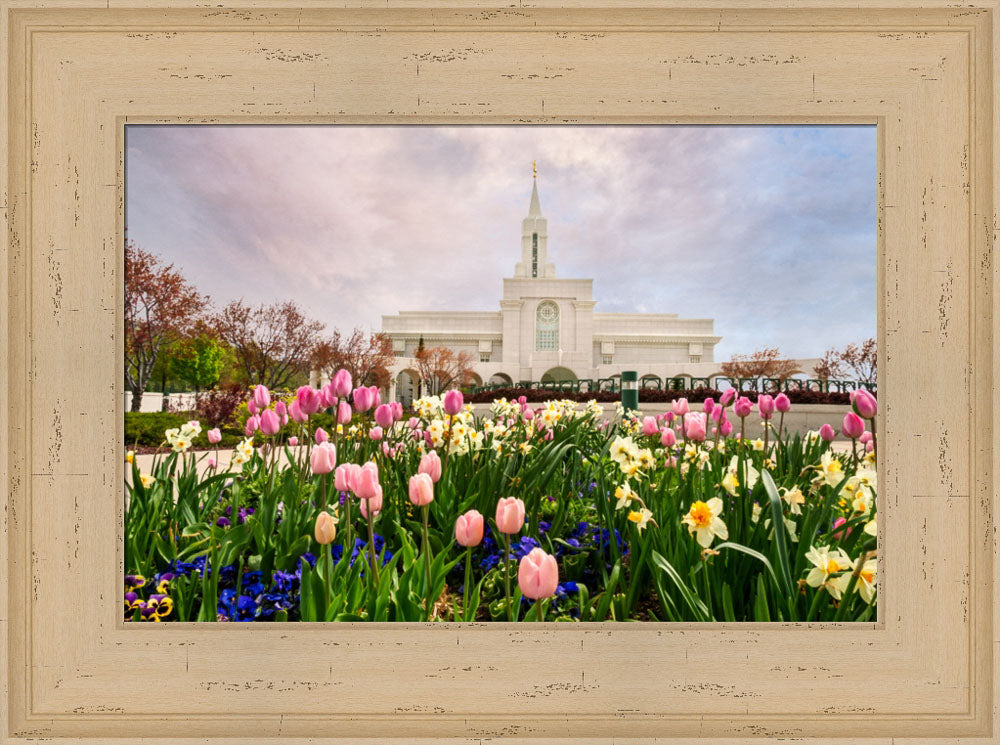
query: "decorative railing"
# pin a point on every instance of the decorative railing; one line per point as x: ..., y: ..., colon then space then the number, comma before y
x: 717, y: 382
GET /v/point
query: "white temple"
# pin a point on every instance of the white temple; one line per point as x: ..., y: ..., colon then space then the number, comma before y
x: 546, y: 329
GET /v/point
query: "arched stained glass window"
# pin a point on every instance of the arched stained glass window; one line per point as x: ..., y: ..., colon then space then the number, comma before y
x: 547, y: 326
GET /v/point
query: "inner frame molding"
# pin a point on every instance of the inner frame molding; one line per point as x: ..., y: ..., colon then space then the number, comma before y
x: 79, y: 71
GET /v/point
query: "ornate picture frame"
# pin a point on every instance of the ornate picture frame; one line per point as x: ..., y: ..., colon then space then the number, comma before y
x: 78, y: 71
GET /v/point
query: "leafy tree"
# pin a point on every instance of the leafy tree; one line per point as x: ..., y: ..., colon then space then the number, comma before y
x: 198, y: 359
x: 762, y: 363
x: 441, y: 368
x: 160, y: 306
x: 272, y: 344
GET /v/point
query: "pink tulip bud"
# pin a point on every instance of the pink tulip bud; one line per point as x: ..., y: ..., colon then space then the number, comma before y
x: 510, y: 515
x: 342, y: 477
x: 727, y: 397
x: 214, y: 436
x: 252, y: 425
x: 743, y: 406
x: 323, y: 458
x: 430, y: 464
x: 826, y: 433
x: 309, y: 399
x: 668, y: 439
x: 397, y: 410
x: 649, y: 426
x: 864, y: 404
x: 680, y: 407
x: 366, y: 484
x: 726, y: 428
x: 376, y: 395
x: 296, y: 413
x: 252, y: 407
x: 293, y: 441
x: 709, y: 405
x: 325, y: 530
x: 765, y: 405
x: 421, y: 489
x: 866, y: 436
x: 469, y: 529
x: 211, y: 462
x: 428, y: 440
x: 529, y: 415
x: 869, y: 446
x: 386, y: 450
x: 261, y: 397
x: 341, y: 383
x: 695, y: 426
x: 839, y: 534
x: 853, y: 425
x: 327, y: 396
x: 383, y: 416
x: 343, y: 413
x: 362, y: 399
x: 321, y: 435
x: 522, y: 400
x: 453, y: 402
x: 668, y: 417
x: 717, y: 413
x: 538, y: 575
x: 782, y: 403
x: 413, y: 422
x: 375, y: 433
x: 373, y: 503
x: 269, y: 423
x: 549, y: 434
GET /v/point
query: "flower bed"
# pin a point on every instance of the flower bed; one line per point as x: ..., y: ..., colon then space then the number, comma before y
x: 532, y: 513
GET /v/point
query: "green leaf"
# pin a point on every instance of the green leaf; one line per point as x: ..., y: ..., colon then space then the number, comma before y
x: 695, y: 605
x: 781, y: 540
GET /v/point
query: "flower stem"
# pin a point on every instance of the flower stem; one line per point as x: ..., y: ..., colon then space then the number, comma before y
x: 465, y: 588
x: 427, y: 562
x: 371, y: 546
x: 538, y: 604
x: 506, y: 573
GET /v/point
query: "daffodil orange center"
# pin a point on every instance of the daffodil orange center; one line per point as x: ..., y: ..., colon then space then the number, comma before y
x: 832, y: 566
x: 701, y: 515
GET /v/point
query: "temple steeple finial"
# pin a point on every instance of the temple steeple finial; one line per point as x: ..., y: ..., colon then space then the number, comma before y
x: 535, y: 208
x: 534, y: 261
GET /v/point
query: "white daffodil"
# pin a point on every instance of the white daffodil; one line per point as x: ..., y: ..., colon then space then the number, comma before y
x: 827, y: 564
x: 794, y: 498
x: 625, y: 495
x: 703, y: 520
x: 871, y: 527
x: 831, y: 471
x: 866, y: 580
x: 641, y: 517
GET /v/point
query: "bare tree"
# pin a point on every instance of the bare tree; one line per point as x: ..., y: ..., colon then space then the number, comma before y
x: 160, y: 306
x: 830, y: 367
x: 762, y: 363
x: 858, y: 361
x: 271, y: 343
x: 441, y: 367
x: 367, y: 356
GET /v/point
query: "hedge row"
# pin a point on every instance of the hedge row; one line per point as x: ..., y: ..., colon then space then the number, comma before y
x: 648, y: 395
x: 144, y: 430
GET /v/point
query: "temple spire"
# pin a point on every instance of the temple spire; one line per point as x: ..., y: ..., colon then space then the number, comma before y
x: 534, y: 261
x: 535, y: 209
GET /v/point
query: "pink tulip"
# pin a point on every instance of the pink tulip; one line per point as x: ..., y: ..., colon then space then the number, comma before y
x: 325, y: 530
x: 680, y: 407
x: 668, y: 439
x: 782, y: 403
x: 342, y: 383
x: 366, y: 484
x: 376, y: 395
x: 529, y: 415
x: 839, y: 534
x: 252, y: 425
x: 214, y: 436
x: 293, y: 441
x: 374, y: 503
x: 421, y: 489
x: 727, y: 397
x: 765, y: 405
x: 309, y: 399
x: 362, y: 398
x: 717, y: 413
x: 375, y: 433
x: 695, y: 426
x: 323, y: 458
x: 343, y: 413
x: 726, y: 428
x: 649, y: 426
x: 430, y: 464
x: 428, y: 440
x: 743, y: 406
x: 296, y: 413
x: 510, y: 515
x: 469, y: 529
x: 549, y: 434
x: 261, y: 397
x: 211, y: 462
x: 826, y: 433
x: 522, y: 400
x: 708, y: 406
x: 327, y: 396
x: 386, y: 450
x: 343, y: 477
x: 269, y: 423
x: 281, y: 409
x: 538, y: 575
x: 668, y: 417
x: 866, y: 436
x: 397, y: 410
x: 853, y: 425
x: 453, y: 402
x: 321, y: 435
x: 869, y: 446
x: 252, y: 407
x: 383, y: 416
x: 864, y: 404
x: 413, y: 422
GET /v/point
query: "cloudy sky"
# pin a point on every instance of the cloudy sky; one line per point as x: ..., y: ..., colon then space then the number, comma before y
x: 768, y: 230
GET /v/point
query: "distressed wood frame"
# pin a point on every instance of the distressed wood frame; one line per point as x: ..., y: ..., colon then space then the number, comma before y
x: 78, y: 70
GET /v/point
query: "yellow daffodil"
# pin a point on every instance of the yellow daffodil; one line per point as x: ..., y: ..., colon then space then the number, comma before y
x: 130, y: 456
x: 625, y: 495
x: 830, y: 469
x: 147, y: 480
x: 703, y: 520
